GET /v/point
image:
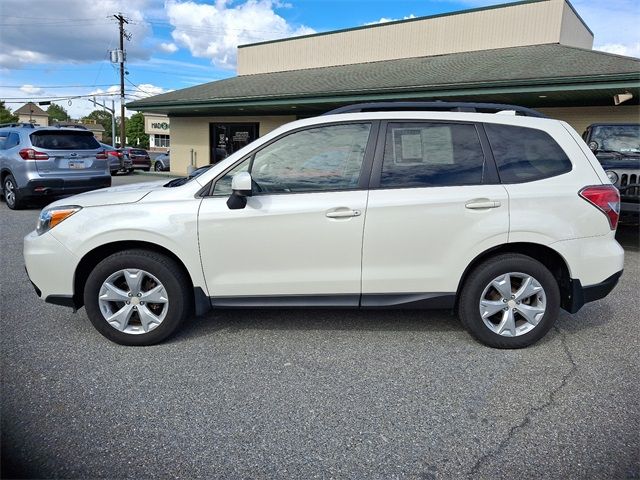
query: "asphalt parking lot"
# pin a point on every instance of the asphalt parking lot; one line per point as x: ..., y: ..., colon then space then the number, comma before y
x: 316, y: 393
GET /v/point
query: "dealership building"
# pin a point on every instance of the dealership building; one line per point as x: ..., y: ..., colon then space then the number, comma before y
x: 535, y: 53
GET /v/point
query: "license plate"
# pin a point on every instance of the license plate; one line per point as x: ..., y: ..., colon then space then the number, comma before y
x: 76, y: 164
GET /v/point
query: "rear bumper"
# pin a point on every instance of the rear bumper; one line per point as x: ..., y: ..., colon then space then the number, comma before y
x: 63, y: 186
x: 581, y: 295
x: 629, y: 212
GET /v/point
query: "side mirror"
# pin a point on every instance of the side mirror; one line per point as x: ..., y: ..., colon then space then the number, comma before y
x: 593, y: 146
x: 241, y: 187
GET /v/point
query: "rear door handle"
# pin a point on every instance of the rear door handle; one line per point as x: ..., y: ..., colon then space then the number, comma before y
x: 343, y: 213
x: 481, y: 204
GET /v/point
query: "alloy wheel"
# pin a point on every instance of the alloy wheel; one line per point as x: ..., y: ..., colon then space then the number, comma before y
x: 9, y: 192
x: 512, y: 304
x: 133, y: 301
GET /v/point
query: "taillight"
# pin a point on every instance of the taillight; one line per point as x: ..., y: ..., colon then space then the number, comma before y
x: 101, y: 155
x: 31, y: 154
x: 605, y: 198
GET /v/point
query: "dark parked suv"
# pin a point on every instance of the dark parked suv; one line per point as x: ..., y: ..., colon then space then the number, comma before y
x: 49, y: 161
x: 118, y: 161
x: 617, y: 147
x: 140, y: 158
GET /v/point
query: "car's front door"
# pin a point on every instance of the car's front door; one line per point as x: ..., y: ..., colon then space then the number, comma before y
x: 299, y: 238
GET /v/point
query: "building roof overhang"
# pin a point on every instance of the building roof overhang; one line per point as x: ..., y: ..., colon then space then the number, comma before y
x: 535, y: 76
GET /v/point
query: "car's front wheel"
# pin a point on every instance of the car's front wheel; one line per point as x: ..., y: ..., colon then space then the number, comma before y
x: 157, y: 167
x: 137, y: 297
x: 509, y: 301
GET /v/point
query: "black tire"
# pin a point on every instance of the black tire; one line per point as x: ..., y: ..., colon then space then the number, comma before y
x: 129, y: 171
x: 479, y: 279
x: 114, y: 172
x: 157, y: 167
x: 167, y: 271
x: 15, y: 202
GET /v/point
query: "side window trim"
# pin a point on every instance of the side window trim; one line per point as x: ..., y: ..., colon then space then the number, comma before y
x: 489, y: 172
x: 367, y: 161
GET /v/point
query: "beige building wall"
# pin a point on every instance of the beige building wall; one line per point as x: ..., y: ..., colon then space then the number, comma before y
x: 572, y: 31
x: 542, y: 22
x: 42, y: 120
x: 581, y: 117
x: 193, y: 133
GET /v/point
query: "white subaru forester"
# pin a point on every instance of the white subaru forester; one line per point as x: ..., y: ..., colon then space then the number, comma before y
x: 503, y: 217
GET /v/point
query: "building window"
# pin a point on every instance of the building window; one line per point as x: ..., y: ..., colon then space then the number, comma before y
x: 161, y: 141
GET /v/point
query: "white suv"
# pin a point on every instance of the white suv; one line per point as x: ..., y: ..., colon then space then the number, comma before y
x: 503, y: 217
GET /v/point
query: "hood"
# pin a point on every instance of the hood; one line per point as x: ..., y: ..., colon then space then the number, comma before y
x: 612, y: 161
x: 113, y: 195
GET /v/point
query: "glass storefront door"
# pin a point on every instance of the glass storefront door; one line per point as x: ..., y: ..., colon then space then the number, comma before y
x: 227, y: 138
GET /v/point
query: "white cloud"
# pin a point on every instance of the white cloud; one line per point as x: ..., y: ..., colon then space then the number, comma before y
x: 629, y: 50
x: 168, y: 47
x: 387, y: 20
x: 74, y: 31
x: 30, y: 89
x: 148, y: 90
x: 215, y: 31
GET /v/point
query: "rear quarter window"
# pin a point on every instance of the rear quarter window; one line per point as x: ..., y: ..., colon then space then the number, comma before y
x: 62, y: 140
x: 525, y: 154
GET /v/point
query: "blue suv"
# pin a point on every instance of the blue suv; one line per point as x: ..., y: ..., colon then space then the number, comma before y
x: 49, y: 161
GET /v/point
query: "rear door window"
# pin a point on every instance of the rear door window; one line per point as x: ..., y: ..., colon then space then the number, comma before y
x: 525, y: 154
x: 64, y: 140
x: 431, y: 155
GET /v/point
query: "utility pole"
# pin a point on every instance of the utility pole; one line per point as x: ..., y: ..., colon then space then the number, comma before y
x: 121, y: 21
x: 112, y: 111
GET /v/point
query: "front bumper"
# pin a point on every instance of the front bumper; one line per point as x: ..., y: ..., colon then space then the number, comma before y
x: 64, y: 186
x: 50, y: 268
x: 581, y: 295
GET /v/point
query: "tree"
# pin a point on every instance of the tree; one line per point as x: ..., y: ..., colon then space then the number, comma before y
x: 103, y: 118
x: 5, y: 114
x: 135, y: 131
x: 57, y: 113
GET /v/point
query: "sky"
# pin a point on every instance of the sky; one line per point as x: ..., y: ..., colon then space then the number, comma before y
x: 54, y: 49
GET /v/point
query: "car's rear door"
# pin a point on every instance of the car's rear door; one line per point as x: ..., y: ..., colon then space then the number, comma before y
x: 435, y: 203
x: 299, y: 238
x: 69, y: 152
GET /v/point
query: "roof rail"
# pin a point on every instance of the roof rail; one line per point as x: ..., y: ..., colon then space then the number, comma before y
x: 438, y: 106
x: 70, y: 125
x: 20, y: 124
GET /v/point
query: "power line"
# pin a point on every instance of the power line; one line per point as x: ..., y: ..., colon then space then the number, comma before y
x: 58, y: 86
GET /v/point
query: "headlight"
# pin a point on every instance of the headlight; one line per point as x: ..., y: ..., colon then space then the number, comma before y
x: 613, y: 176
x: 50, y: 217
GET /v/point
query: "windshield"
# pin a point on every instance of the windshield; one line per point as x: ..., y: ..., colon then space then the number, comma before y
x: 617, y: 138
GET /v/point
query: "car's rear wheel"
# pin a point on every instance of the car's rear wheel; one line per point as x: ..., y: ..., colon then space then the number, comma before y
x: 509, y: 301
x: 157, y: 167
x: 11, y: 193
x: 137, y: 297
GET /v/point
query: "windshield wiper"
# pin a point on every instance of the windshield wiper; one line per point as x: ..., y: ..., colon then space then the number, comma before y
x: 622, y: 154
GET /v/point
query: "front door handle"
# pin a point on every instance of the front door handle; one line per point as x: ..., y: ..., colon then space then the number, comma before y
x: 482, y: 203
x: 343, y: 213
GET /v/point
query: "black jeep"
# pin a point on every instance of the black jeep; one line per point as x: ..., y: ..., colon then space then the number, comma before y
x: 617, y: 147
